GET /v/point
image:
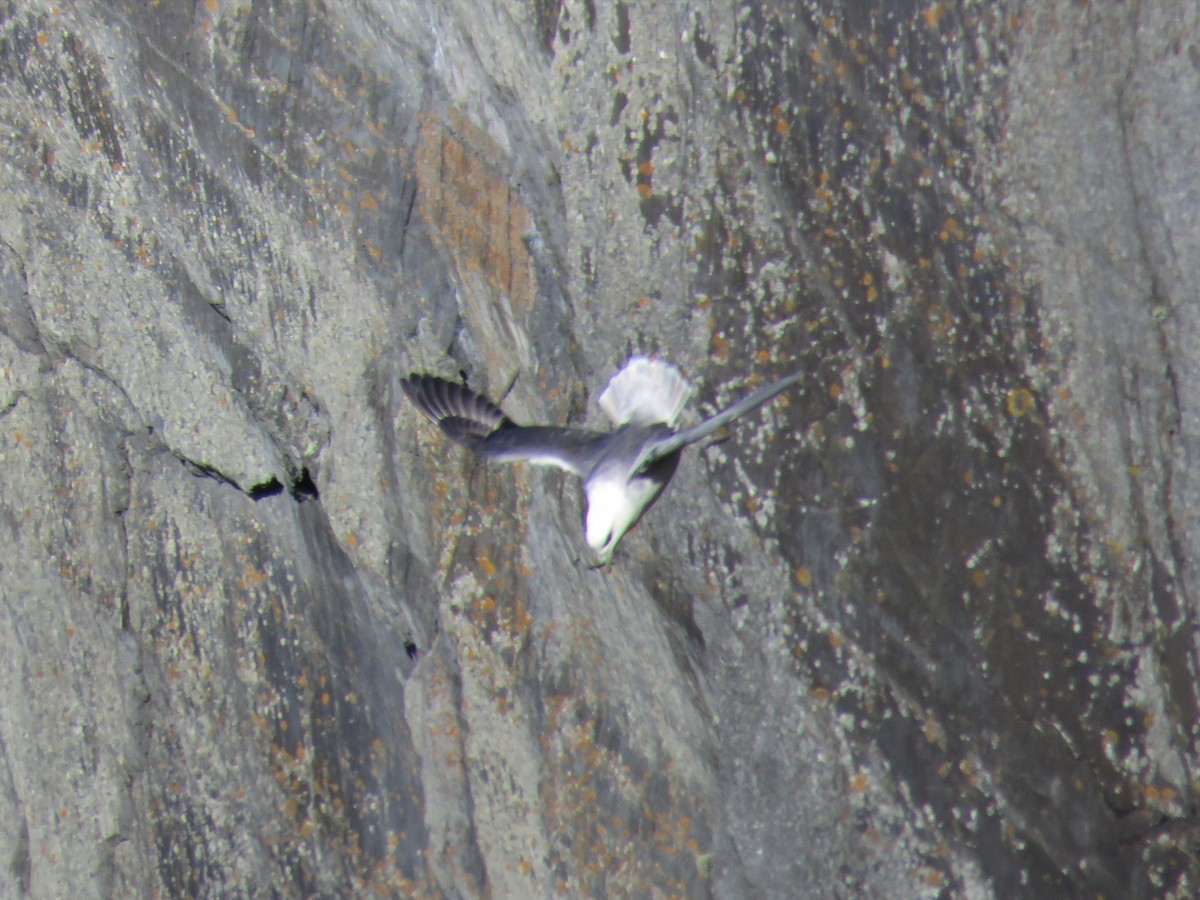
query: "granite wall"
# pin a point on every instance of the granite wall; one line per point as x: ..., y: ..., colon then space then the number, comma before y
x: 925, y: 627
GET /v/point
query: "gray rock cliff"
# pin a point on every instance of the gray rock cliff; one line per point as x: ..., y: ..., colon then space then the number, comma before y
x: 924, y: 627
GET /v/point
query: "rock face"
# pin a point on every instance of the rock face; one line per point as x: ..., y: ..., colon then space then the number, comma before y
x: 925, y: 627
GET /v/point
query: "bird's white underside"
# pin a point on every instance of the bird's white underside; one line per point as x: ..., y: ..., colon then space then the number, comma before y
x: 549, y: 459
x: 613, y: 505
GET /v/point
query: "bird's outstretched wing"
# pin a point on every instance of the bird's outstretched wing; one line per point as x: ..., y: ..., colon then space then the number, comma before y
x: 480, y: 425
x: 680, y: 439
x: 574, y: 449
x: 463, y: 415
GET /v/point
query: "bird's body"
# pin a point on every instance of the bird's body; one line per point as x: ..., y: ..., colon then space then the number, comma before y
x: 623, y: 471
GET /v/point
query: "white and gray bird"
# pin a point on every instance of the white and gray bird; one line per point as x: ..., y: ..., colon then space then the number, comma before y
x: 624, y: 470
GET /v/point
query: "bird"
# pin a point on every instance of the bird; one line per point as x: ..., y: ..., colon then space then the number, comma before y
x: 624, y: 470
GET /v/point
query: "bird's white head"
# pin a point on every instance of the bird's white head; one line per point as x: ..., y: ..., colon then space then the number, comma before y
x: 612, y: 509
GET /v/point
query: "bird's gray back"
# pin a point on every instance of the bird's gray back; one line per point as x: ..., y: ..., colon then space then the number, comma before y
x: 625, y: 448
x: 575, y: 449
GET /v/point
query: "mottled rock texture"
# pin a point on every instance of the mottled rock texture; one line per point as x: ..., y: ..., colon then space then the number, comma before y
x: 925, y: 627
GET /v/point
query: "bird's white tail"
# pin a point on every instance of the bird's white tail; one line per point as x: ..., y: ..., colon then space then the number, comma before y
x: 645, y: 391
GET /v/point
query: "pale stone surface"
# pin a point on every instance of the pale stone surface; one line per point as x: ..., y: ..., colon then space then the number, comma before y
x: 924, y: 627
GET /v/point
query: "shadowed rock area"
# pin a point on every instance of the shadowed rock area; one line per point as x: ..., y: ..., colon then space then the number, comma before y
x: 924, y: 627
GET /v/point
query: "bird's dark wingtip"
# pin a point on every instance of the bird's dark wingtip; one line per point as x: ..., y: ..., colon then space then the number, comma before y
x: 464, y: 416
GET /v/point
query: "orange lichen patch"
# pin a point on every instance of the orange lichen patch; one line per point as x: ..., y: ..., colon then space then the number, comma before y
x: 951, y: 229
x: 251, y: 577
x: 519, y: 620
x: 803, y: 576
x: 942, y: 325
x: 644, y: 190
x: 979, y: 578
x: 720, y: 347
x: 872, y: 291
x: 646, y: 168
x: 1151, y: 794
x: 932, y: 878
x: 477, y: 217
x: 782, y: 126
x: 858, y: 783
x: 933, y: 731
x: 489, y: 568
x: 351, y: 539
x: 836, y: 640
x: 1018, y: 402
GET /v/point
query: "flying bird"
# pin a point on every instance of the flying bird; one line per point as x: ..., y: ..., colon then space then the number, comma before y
x: 623, y: 470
